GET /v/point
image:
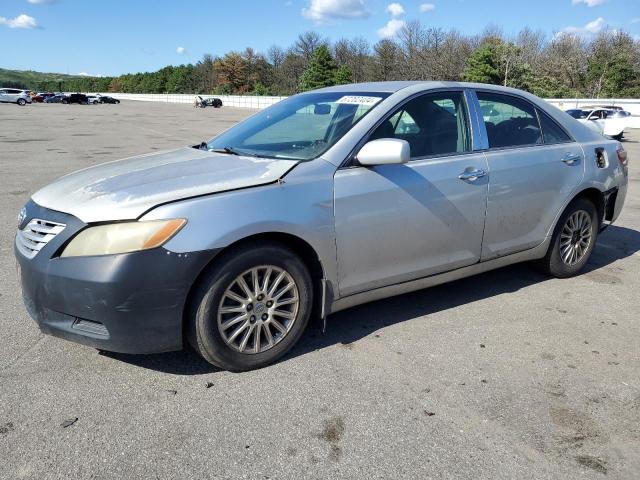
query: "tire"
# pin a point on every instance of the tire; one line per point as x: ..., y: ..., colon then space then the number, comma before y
x: 555, y: 262
x: 254, y: 313
x: 65, y: 102
x: 22, y: 102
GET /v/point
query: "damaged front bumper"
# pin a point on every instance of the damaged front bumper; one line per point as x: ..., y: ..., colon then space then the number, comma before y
x: 128, y: 303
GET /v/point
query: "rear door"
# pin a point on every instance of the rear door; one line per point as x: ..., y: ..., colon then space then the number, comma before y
x: 401, y: 222
x: 534, y: 168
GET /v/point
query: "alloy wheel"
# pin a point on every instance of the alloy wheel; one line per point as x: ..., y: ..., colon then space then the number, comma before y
x: 258, y: 309
x: 575, y: 238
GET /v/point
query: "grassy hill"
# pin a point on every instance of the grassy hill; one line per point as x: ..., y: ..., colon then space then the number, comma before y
x: 31, y: 80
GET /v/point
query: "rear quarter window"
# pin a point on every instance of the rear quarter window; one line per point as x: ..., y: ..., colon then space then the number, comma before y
x: 552, y: 132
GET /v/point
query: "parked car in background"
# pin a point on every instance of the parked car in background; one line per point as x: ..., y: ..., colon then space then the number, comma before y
x: 207, y: 102
x: 40, y: 97
x: 57, y: 98
x: 325, y: 200
x: 15, y: 95
x: 107, y: 99
x: 93, y: 100
x: 79, y: 98
x: 605, y: 107
x: 607, y: 122
x: 577, y: 113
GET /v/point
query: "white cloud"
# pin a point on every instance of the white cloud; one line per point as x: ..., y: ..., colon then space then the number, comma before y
x: 595, y: 26
x: 588, y: 3
x: 427, y: 7
x: 41, y: 2
x: 590, y: 28
x: 391, y: 29
x: 635, y: 20
x: 395, y: 9
x: 323, y: 11
x: 181, y: 50
x: 85, y: 74
x: 21, y: 21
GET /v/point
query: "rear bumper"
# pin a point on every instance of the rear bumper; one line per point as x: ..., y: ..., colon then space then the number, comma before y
x: 129, y: 303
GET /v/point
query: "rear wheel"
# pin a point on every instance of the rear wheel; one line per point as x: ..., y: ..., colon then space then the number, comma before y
x: 573, y: 240
x: 22, y: 102
x: 251, y: 308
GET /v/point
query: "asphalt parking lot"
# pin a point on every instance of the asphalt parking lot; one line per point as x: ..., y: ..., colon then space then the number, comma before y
x: 509, y: 374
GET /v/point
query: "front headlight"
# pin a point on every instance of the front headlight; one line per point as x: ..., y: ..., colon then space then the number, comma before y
x: 122, y: 237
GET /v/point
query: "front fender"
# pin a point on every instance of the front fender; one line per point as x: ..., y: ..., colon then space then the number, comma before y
x: 301, y: 205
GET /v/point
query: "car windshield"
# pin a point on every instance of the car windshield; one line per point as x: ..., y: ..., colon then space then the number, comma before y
x: 302, y: 127
x: 577, y: 113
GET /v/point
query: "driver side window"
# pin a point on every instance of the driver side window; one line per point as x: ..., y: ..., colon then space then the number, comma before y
x: 433, y: 124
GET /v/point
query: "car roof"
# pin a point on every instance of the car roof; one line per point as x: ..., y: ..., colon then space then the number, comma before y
x: 392, y: 87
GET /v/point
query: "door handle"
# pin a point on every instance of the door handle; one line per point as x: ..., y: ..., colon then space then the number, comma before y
x: 571, y: 158
x: 472, y: 175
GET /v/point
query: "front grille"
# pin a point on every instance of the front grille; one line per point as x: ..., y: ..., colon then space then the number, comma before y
x: 35, y: 235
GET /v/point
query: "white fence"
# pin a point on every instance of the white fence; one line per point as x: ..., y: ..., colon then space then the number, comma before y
x: 631, y: 105
x: 240, y: 101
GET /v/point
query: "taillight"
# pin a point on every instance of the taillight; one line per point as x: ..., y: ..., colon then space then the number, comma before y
x: 622, y: 155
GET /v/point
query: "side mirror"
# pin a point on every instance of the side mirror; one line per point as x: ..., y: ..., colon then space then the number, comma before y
x: 384, y: 151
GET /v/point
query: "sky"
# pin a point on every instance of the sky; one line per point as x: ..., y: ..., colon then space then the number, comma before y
x: 112, y: 37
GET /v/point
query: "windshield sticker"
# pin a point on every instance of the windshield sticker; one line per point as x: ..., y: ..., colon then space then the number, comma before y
x: 358, y: 100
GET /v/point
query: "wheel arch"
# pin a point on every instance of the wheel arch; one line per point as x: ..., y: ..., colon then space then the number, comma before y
x: 299, y: 246
x: 596, y: 197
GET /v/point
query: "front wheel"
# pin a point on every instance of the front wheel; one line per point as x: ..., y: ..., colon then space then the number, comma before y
x: 22, y: 102
x: 573, y: 240
x: 251, y: 308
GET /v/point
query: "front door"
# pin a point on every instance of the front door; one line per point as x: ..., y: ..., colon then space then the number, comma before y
x: 401, y: 222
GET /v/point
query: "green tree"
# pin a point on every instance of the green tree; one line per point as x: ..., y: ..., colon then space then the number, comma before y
x: 482, y: 66
x: 260, y: 89
x: 320, y: 72
x: 343, y: 75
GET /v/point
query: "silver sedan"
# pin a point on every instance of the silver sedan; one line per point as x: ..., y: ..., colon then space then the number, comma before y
x: 326, y: 200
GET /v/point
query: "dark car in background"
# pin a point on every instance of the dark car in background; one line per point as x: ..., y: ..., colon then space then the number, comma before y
x: 79, y: 98
x: 57, y: 98
x: 105, y: 99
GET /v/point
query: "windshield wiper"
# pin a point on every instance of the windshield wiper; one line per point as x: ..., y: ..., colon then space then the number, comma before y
x: 233, y: 151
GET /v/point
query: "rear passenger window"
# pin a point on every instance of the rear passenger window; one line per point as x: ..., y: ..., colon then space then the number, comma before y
x: 551, y: 131
x: 433, y: 124
x: 510, y: 121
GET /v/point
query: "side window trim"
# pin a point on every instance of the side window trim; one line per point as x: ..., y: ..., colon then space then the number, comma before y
x: 349, y: 161
x: 480, y: 139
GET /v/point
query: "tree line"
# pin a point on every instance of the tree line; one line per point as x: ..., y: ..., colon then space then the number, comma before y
x: 563, y: 65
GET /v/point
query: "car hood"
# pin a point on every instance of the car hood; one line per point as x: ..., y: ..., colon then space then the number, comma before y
x: 125, y: 189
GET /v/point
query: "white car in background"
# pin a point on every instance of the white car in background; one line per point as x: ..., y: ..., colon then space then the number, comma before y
x: 14, y: 95
x: 608, y: 122
x: 93, y: 99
